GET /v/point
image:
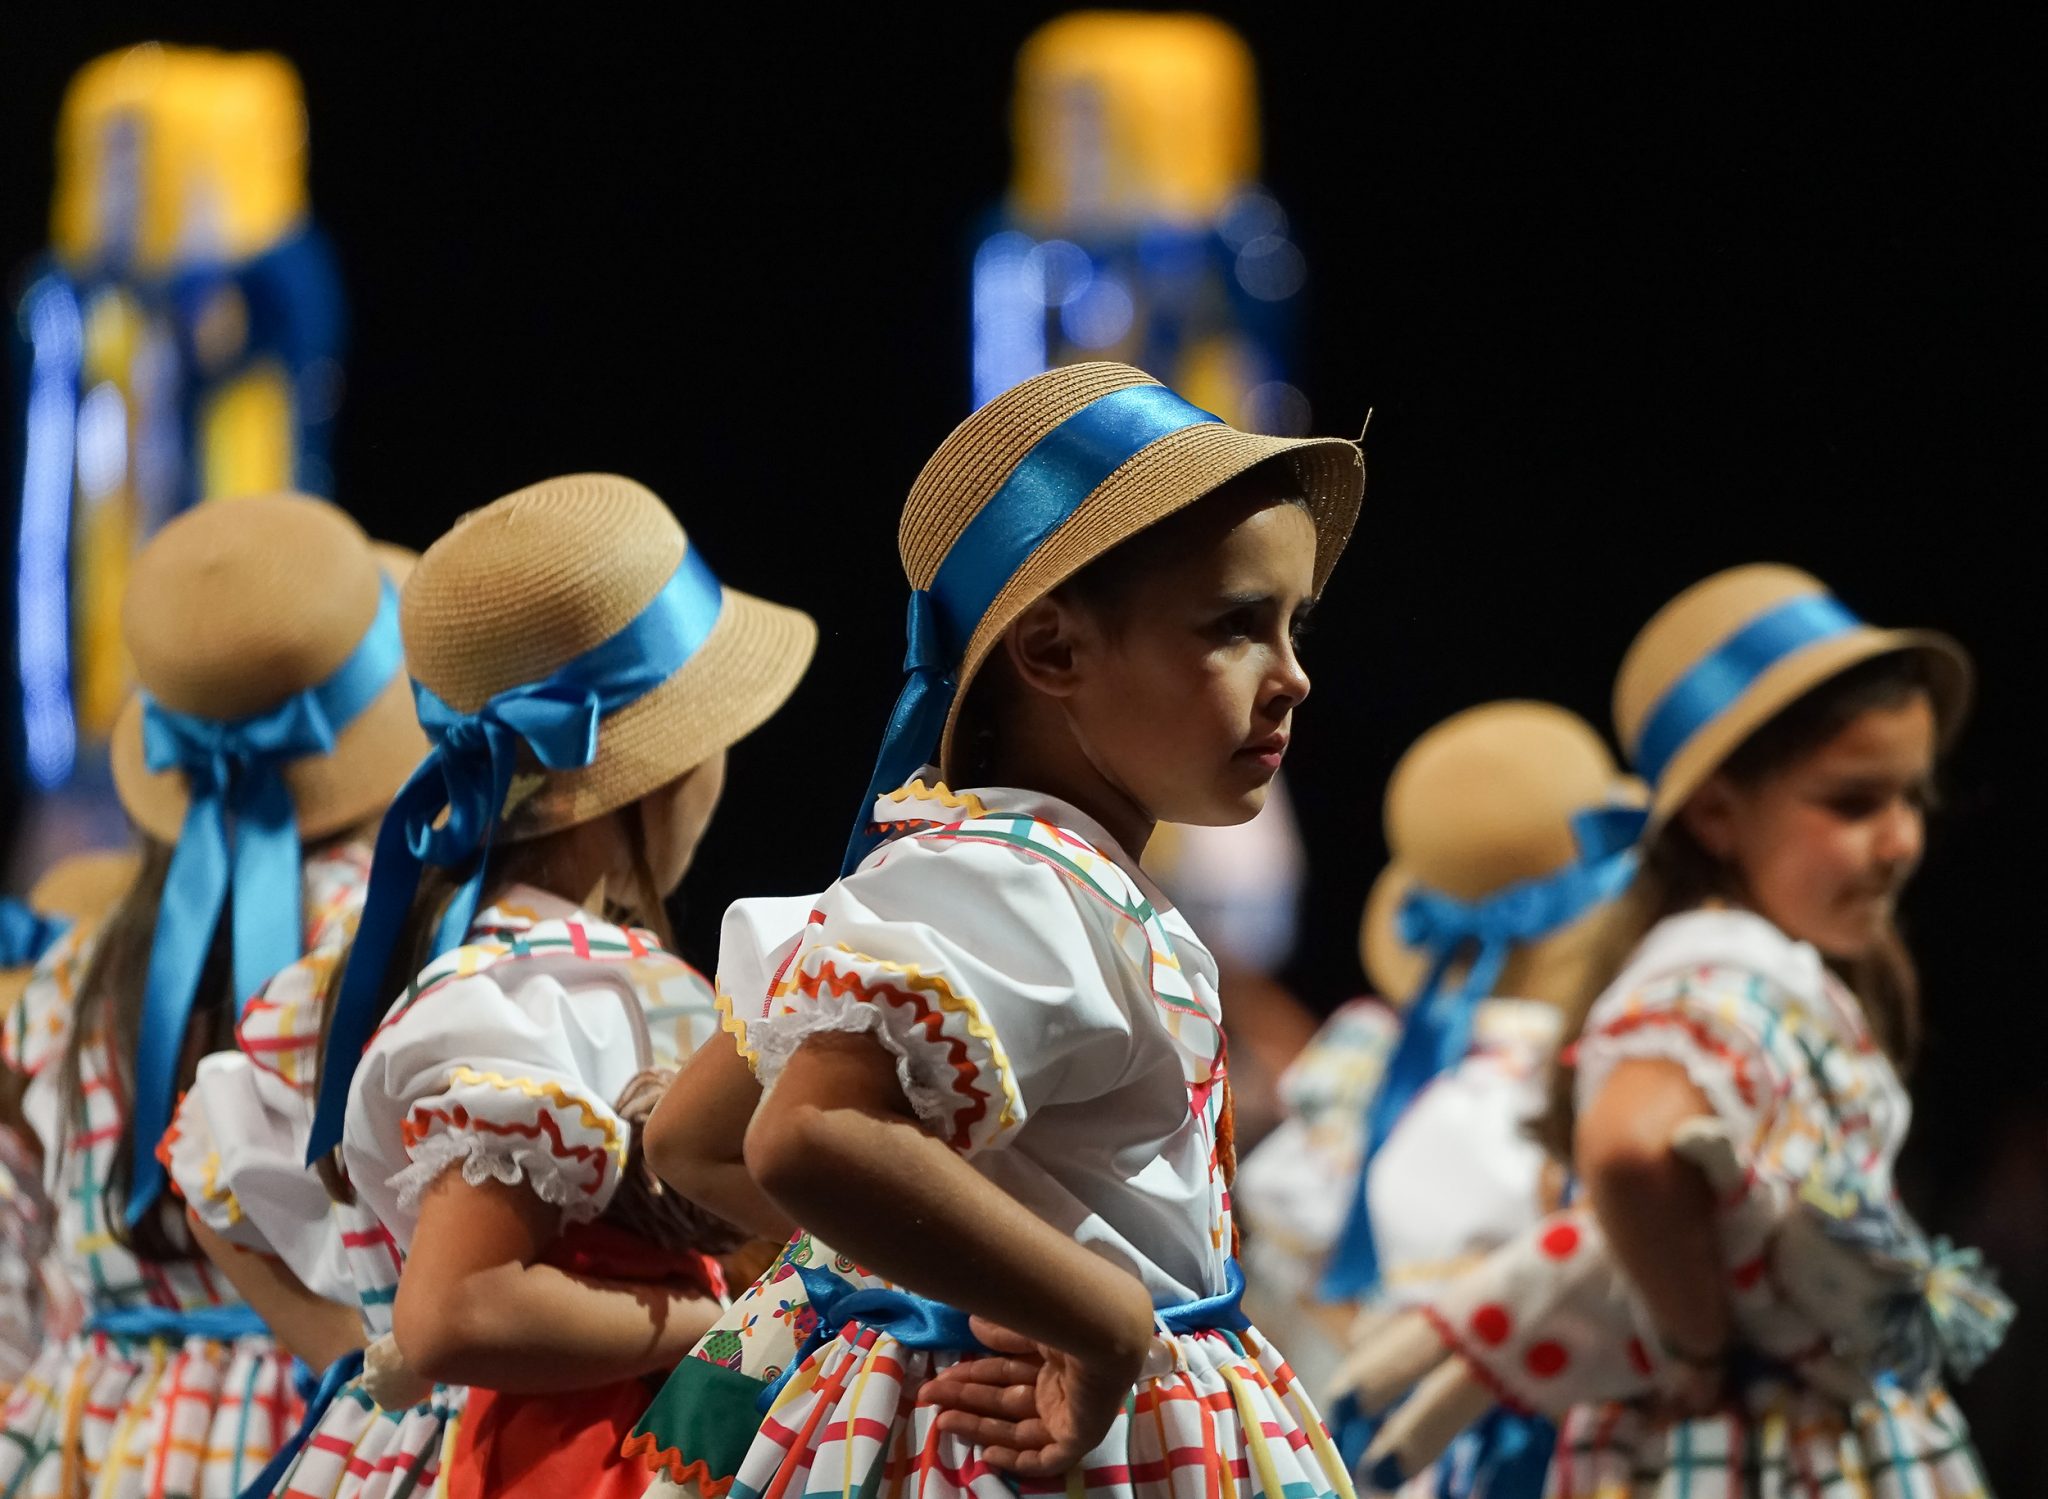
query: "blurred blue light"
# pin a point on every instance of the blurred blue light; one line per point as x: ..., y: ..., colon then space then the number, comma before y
x: 1009, y: 314
x: 43, y: 646
x: 1100, y: 315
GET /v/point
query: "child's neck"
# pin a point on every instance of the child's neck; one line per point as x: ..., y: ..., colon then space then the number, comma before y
x: 1085, y: 788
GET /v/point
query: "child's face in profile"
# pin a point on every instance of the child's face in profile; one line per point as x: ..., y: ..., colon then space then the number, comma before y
x: 1188, y: 704
x: 1824, y: 846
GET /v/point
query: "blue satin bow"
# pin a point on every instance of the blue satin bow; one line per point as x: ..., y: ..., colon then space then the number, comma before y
x: 221, y: 1324
x: 1439, y: 1024
x: 239, y: 843
x: 26, y: 933
x: 1047, y: 486
x: 469, y: 773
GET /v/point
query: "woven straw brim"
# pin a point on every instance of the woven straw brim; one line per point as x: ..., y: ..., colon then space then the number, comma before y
x: 82, y: 888
x: 744, y: 671
x: 371, y: 760
x: 1393, y: 968
x: 1163, y: 478
x: 1788, y: 680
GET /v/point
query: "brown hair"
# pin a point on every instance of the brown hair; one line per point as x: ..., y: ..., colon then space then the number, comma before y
x: 108, y: 1009
x: 1678, y: 875
x: 1104, y: 588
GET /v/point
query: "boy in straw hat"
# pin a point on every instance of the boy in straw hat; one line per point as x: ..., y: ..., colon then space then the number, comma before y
x: 1731, y: 1100
x: 493, y: 1045
x: 271, y: 723
x: 1396, y: 1172
x: 992, y: 1051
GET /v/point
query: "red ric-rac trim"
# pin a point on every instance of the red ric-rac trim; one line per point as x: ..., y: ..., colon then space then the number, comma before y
x: 1738, y: 1063
x: 831, y: 979
x: 668, y: 1461
x: 456, y: 1117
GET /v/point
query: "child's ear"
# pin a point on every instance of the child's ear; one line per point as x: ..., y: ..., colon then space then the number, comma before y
x: 1709, y: 815
x: 1047, y: 646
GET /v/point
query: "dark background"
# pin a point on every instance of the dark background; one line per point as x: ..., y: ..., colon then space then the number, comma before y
x: 1632, y: 304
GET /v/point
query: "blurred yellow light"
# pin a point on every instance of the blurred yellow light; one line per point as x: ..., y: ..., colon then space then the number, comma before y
x: 202, y: 153
x: 1121, y: 116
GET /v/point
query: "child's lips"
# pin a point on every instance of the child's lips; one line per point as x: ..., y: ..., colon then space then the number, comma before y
x: 1269, y: 751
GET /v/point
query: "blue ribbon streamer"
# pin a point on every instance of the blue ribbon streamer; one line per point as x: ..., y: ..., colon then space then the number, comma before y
x: 468, y: 773
x: 1045, y: 488
x: 239, y: 845
x: 1707, y: 691
x: 337, y: 1374
x: 223, y: 1324
x: 1439, y: 1025
x: 917, y: 1322
x: 26, y: 933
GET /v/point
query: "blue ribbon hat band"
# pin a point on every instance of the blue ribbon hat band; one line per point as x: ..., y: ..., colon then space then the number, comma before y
x: 468, y: 774
x: 238, y: 850
x: 1714, y: 684
x: 1039, y: 495
x: 1438, y: 1028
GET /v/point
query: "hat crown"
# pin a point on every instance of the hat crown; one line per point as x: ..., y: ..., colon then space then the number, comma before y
x: 1690, y: 628
x: 533, y: 580
x: 236, y: 605
x: 978, y: 455
x: 1485, y: 799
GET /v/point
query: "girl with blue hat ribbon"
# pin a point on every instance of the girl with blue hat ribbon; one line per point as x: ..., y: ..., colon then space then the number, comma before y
x: 271, y: 724
x: 1742, y: 1305
x: 500, y: 1025
x: 1407, y: 1154
x: 991, y: 1051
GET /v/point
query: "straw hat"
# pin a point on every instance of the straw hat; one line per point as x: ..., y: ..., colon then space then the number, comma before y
x: 82, y: 889
x: 232, y: 608
x: 1164, y: 476
x: 530, y: 581
x: 1482, y: 801
x: 1703, y: 618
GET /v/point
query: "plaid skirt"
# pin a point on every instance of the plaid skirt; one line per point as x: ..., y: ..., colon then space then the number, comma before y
x: 112, y: 1417
x: 1783, y: 1444
x: 361, y: 1451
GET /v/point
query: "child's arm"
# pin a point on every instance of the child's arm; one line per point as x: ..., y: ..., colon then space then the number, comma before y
x: 1656, y: 1208
x: 696, y: 1135
x: 476, y: 1308
x: 309, y: 1325
x: 837, y: 1145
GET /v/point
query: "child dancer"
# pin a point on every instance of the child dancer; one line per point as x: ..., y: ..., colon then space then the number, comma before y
x: 992, y: 1052
x: 37, y: 1304
x: 272, y: 713
x: 1765, y: 1008
x: 1509, y: 828
x: 581, y: 673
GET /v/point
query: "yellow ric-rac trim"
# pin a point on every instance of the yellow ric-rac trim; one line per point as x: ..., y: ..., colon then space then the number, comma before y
x: 555, y: 1093
x: 730, y: 1022
x: 963, y: 1005
x: 209, y: 1184
x: 941, y: 793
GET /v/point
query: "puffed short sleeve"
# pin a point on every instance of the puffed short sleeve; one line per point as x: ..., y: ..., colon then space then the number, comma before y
x: 1733, y: 1031
x: 982, y: 968
x: 33, y: 1034
x: 508, y: 1074
x: 236, y: 1152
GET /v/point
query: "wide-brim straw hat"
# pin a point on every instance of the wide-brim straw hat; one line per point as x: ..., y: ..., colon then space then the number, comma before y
x: 1482, y: 801
x: 82, y: 888
x: 521, y: 586
x: 1160, y: 479
x: 233, y: 607
x: 1700, y: 620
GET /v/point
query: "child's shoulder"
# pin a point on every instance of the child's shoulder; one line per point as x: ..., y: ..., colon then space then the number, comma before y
x: 504, y: 953
x: 35, y: 1031
x: 1729, y: 961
